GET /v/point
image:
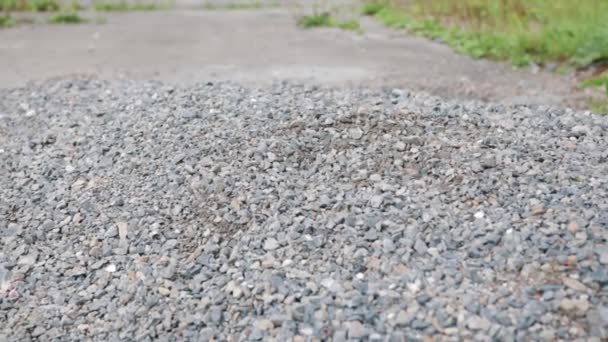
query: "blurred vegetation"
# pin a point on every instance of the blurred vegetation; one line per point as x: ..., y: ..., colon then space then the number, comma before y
x: 123, y: 6
x: 6, y: 21
x: 29, y: 5
x: 64, y: 12
x: 326, y: 20
x: 66, y: 18
x: 559, y: 33
x: 243, y: 5
x: 522, y: 31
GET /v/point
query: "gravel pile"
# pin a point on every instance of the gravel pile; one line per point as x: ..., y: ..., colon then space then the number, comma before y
x: 143, y: 211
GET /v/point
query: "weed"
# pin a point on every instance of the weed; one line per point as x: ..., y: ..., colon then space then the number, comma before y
x: 43, y: 5
x: 352, y: 25
x: 6, y: 21
x: 210, y: 5
x: 144, y: 7
x: 75, y: 6
x: 66, y: 18
x: 317, y: 20
x: 244, y: 5
x: 123, y: 6
x: 598, y: 106
x: 600, y: 81
x: 8, y: 5
x: 29, y: 5
x: 372, y: 8
x: 326, y: 20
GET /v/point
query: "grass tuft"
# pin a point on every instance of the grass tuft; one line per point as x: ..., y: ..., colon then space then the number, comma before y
x: 371, y: 8
x: 318, y: 20
x: 66, y: 18
x: 326, y: 20
x: 75, y: 6
x: 123, y: 7
x: 247, y: 5
x: 43, y: 5
x: 9, y: 5
x: 6, y: 21
x: 30, y: 5
x: 597, y: 82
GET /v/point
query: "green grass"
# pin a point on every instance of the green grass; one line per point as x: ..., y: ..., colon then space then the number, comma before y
x: 8, y: 5
x: 372, y: 8
x: 326, y: 20
x: 66, y: 18
x: 573, y: 34
x: 55, y: 5
x: 43, y: 5
x: 123, y: 6
x: 75, y: 6
x: 6, y: 21
x: 599, y: 106
x: 520, y: 31
x: 246, y: 5
x: 597, y: 82
x: 29, y: 5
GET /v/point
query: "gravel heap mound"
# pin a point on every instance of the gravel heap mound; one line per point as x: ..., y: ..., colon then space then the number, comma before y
x: 139, y: 210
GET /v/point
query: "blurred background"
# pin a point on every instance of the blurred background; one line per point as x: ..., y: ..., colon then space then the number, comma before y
x: 563, y: 38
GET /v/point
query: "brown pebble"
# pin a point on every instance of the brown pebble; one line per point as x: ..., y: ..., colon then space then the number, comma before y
x: 573, y: 227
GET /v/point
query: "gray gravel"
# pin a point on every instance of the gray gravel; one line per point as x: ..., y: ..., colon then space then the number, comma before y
x: 143, y: 211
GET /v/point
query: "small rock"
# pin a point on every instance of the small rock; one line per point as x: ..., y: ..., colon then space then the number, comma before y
x: 598, y: 322
x: 412, y: 140
x: 29, y: 259
x: 388, y: 245
x: 375, y: 177
x: 111, y: 232
x: 574, y: 284
x: 580, y: 305
x: 264, y: 324
x: 400, y: 146
x: 206, y: 334
x: 355, y: 133
x: 268, y: 261
x: 478, y: 323
x: 547, y: 335
x: 306, y: 330
x: 331, y: 285
x: 271, y: 244
x: 580, y: 130
x: 403, y: 318
x: 177, y: 209
x: 111, y: 268
x: 420, y: 246
x: 189, y: 114
x: 340, y: 336
x: 602, y: 255
x: 538, y: 210
x: 376, y: 201
x: 38, y: 331
x: 399, y: 92
x: 122, y: 230
x: 355, y: 330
